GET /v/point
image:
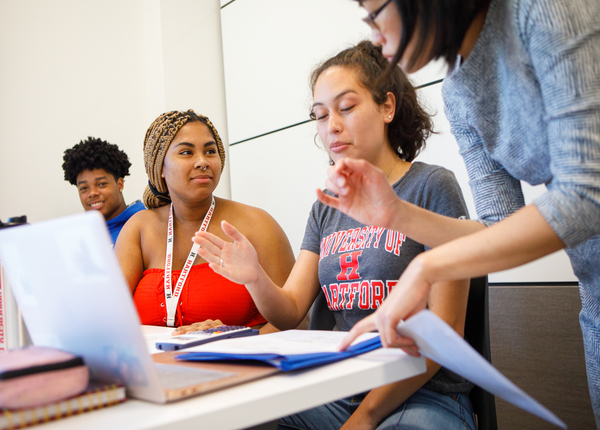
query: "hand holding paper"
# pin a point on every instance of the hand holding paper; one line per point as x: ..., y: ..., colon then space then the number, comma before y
x: 409, y: 296
x: 438, y: 342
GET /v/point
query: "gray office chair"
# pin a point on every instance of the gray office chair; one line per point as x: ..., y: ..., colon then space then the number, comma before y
x: 477, y: 333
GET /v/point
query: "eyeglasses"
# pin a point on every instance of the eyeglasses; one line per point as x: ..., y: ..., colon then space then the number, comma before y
x: 370, y: 18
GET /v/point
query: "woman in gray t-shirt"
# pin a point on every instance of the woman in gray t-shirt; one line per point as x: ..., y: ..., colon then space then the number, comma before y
x: 357, y: 265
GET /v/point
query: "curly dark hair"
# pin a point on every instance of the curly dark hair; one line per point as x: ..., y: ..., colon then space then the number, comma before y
x: 411, y: 125
x: 95, y: 153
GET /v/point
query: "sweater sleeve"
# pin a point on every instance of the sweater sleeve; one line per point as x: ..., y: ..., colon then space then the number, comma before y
x: 496, y: 193
x: 442, y: 194
x: 563, y: 40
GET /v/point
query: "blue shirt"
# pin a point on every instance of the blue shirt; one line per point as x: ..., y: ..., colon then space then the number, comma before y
x: 116, y: 224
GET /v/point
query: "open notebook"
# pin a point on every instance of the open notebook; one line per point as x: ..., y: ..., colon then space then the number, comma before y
x: 72, y: 294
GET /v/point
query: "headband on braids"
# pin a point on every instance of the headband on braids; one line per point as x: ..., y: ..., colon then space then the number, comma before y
x: 156, y: 143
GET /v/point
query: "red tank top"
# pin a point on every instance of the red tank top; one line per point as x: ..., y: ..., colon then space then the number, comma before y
x: 206, y: 295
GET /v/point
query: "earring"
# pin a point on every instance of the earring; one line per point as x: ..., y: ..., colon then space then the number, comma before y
x: 390, y: 117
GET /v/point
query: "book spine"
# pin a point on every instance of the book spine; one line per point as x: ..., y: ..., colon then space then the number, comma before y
x: 2, y: 311
x: 13, y: 333
x: 12, y: 328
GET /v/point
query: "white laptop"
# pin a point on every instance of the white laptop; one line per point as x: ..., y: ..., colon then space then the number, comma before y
x: 73, y: 296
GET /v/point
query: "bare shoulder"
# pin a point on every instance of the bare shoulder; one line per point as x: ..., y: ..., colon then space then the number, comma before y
x: 251, y: 221
x: 240, y: 214
x: 148, y: 218
x: 148, y: 215
x: 264, y: 233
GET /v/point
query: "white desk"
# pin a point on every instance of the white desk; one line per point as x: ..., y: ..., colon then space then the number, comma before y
x: 255, y: 402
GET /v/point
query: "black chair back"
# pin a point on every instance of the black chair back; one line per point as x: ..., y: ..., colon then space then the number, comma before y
x: 477, y: 333
x: 321, y: 318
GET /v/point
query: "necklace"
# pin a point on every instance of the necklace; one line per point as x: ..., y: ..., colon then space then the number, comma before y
x: 397, y: 158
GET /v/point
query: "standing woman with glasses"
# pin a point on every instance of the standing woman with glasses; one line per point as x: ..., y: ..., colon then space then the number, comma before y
x: 523, y: 100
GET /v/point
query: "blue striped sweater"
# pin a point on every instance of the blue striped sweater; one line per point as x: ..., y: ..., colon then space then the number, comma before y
x: 525, y: 105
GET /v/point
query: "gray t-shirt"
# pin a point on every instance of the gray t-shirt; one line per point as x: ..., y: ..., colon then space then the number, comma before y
x: 359, y: 265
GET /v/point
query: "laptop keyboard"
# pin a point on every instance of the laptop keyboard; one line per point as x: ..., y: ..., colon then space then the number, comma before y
x: 174, y: 377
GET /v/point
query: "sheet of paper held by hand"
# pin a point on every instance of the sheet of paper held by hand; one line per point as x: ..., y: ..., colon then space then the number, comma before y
x: 437, y: 341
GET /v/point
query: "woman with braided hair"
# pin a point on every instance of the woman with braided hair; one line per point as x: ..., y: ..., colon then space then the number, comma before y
x: 171, y: 286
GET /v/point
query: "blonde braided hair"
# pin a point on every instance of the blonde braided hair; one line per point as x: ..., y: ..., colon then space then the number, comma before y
x: 156, y: 143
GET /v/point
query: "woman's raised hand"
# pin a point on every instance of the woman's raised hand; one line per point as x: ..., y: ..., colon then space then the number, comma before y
x: 236, y: 261
x: 363, y: 192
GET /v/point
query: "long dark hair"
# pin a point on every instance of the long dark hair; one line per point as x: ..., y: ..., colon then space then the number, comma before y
x: 447, y: 20
x: 411, y: 125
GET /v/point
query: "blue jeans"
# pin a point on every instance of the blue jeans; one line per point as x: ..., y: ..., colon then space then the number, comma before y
x: 425, y: 410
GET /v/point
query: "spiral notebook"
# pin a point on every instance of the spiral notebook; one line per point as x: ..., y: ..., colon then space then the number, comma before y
x: 97, y: 396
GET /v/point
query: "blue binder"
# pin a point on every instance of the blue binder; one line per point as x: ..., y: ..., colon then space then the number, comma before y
x: 288, y: 362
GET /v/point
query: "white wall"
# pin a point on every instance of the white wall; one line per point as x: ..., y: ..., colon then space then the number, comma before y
x: 267, y: 65
x: 107, y: 68
x: 269, y: 47
x: 104, y: 68
x: 268, y: 59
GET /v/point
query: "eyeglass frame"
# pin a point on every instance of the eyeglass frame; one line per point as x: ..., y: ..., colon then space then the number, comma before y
x: 370, y: 18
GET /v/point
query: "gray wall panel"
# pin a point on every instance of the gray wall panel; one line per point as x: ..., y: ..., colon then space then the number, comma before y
x: 536, y: 343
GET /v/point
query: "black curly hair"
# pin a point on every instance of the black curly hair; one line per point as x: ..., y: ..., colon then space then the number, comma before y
x: 95, y: 153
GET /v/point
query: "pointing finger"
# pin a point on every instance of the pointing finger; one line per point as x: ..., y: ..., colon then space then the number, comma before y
x: 363, y: 326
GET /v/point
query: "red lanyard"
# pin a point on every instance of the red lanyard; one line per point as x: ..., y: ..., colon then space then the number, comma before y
x: 172, y: 297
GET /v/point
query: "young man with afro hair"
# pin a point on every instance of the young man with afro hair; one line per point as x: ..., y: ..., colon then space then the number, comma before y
x: 98, y: 168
